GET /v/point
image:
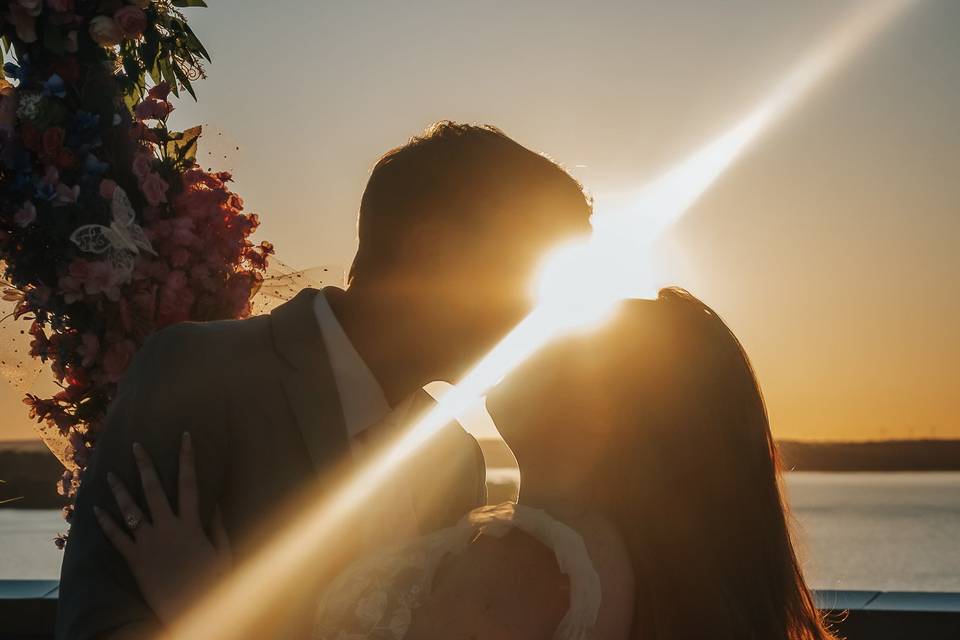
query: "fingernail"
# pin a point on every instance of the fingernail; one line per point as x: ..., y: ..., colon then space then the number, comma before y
x: 97, y: 512
x: 186, y: 439
x: 111, y: 479
x: 137, y: 449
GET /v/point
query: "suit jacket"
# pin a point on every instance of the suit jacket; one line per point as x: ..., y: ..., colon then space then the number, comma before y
x: 259, y: 399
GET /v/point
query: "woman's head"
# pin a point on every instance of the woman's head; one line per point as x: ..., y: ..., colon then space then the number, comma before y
x: 660, y: 415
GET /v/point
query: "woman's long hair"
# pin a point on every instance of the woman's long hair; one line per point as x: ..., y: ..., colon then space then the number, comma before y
x: 689, y: 473
x: 695, y: 483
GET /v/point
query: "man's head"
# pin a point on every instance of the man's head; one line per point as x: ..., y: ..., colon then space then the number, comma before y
x: 454, y: 223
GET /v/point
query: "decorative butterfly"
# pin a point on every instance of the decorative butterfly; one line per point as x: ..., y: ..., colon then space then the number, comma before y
x: 121, y: 241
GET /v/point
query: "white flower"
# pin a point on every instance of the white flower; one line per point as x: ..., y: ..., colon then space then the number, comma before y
x: 29, y: 106
x: 105, y: 31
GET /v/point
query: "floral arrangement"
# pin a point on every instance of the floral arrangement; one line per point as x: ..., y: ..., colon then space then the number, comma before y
x: 109, y: 229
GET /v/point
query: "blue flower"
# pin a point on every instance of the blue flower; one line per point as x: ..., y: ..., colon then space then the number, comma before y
x: 45, y: 191
x: 54, y: 86
x: 85, y: 121
x: 83, y: 133
x: 92, y: 164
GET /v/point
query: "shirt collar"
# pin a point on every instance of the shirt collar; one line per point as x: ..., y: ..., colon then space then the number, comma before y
x: 361, y: 395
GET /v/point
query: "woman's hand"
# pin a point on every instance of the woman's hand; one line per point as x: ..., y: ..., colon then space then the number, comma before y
x: 169, y: 554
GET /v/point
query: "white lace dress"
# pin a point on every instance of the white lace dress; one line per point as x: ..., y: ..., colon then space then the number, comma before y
x: 374, y: 598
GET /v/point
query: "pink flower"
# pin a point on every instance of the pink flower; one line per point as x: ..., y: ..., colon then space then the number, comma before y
x: 107, y: 187
x: 159, y: 91
x: 101, y: 278
x: 61, y: 6
x: 182, y: 231
x: 151, y: 109
x: 66, y: 195
x: 88, y: 349
x: 117, y: 358
x: 51, y: 176
x: 23, y: 22
x: 53, y: 142
x: 72, y: 285
x: 176, y: 299
x: 33, y: 7
x: 142, y: 164
x: 154, y: 189
x: 131, y: 20
x: 105, y: 31
x: 25, y: 215
x: 179, y: 257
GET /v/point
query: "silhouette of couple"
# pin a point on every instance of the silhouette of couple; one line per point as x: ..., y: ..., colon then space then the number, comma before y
x: 649, y: 507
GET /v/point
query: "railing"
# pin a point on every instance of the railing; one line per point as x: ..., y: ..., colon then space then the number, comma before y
x: 28, y: 608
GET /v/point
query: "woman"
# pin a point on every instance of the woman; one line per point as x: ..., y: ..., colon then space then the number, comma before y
x: 650, y: 506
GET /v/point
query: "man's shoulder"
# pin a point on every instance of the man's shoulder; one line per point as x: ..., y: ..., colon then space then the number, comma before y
x: 207, y: 343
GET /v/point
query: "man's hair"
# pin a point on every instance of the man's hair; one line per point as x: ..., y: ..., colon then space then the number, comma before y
x: 463, y: 179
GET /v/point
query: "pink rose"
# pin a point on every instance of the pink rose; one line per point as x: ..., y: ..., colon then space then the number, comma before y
x: 181, y: 231
x: 131, y: 20
x: 25, y: 216
x: 23, y: 22
x: 159, y: 91
x: 66, y: 195
x: 61, y: 6
x: 117, y: 358
x: 154, y: 189
x: 53, y: 141
x: 142, y: 164
x: 105, y: 31
x: 32, y: 7
x: 151, y: 109
x: 107, y: 187
x: 51, y: 176
x: 176, y: 299
x: 101, y: 278
x: 88, y: 349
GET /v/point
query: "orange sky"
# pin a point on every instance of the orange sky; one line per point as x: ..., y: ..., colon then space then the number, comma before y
x: 830, y: 247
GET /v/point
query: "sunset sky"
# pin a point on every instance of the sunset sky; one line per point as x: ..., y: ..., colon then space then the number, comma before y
x: 832, y: 247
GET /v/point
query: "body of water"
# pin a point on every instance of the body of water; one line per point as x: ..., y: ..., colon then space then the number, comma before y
x: 872, y: 531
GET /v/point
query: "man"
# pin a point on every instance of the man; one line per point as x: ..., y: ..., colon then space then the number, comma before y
x: 451, y: 227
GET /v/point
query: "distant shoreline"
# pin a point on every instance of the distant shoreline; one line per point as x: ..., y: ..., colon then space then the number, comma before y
x: 881, y: 455
x: 30, y: 472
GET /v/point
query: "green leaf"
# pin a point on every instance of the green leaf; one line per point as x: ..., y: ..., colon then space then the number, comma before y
x: 150, y: 49
x: 185, y: 81
x: 167, y: 70
x: 185, y: 146
x: 194, y: 42
x: 188, y: 3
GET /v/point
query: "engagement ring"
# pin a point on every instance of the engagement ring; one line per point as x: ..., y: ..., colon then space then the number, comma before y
x: 132, y: 522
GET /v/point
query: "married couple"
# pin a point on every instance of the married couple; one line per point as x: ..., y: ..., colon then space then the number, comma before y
x: 650, y: 505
